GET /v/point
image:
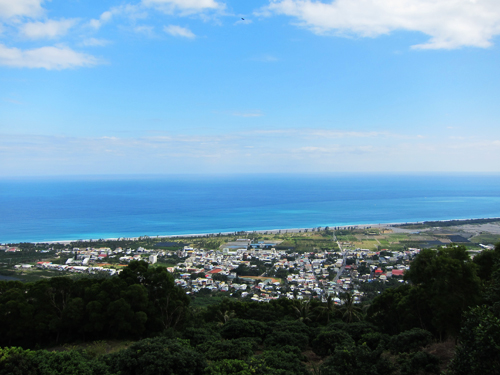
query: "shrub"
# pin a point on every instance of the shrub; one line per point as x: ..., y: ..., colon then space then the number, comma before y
x: 198, y: 336
x: 410, y: 341
x: 375, y: 340
x: 158, y: 356
x: 280, y: 338
x: 328, y: 341
x: 419, y: 363
x: 358, y: 360
x: 236, y: 328
x: 479, y: 350
x: 227, y: 349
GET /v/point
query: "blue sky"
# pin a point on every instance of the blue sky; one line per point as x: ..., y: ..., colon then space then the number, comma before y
x: 188, y: 86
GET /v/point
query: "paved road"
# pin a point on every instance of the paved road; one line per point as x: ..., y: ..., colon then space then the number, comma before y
x: 344, y: 253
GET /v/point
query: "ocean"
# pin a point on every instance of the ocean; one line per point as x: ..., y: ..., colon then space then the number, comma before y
x: 50, y: 209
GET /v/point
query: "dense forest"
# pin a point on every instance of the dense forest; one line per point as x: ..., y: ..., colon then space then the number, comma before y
x: 445, y: 319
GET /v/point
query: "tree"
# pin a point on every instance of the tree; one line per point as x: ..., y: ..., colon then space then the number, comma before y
x: 400, y: 309
x: 350, y: 312
x: 327, y: 309
x: 158, y: 356
x: 479, y: 349
x: 449, y: 281
x: 410, y: 341
x: 359, y: 360
x: 330, y: 340
x: 243, y: 328
x: 302, y: 310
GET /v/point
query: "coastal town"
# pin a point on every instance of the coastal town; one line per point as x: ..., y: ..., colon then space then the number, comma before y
x: 253, y: 270
x: 317, y: 263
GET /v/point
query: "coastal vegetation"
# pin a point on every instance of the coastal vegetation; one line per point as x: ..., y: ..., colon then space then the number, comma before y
x: 469, y: 233
x: 65, y: 325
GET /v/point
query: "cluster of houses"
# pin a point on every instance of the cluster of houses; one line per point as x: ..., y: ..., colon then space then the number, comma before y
x: 285, y: 274
x: 307, y: 275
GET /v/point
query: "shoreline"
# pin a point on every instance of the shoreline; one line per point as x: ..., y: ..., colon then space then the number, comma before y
x: 271, y: 231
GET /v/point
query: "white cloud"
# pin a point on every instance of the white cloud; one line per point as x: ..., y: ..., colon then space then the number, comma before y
x: 179, y: 31
x: 52, y: 57
x: 184, y: 6
x: 267, y: 151
x: 243, y: 22
x: 48, y: 29
x: 94, y: 42
x: 449, y: 23
x: 131, y: 11
x: 20, y: 8
x: 147, y: 30
x: 104, y: 18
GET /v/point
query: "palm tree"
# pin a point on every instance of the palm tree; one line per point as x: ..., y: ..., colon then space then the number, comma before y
x: 225, y: 315
x: 302, y: 310
x: 328, y: 308
x: 350, y: 311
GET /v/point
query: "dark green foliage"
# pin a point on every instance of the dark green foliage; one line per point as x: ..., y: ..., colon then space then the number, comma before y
x: 449, y: 281
x: 15, y: 361
x: 328, y: 341
x: 410, y: 341
x: 197, y: 336
x: 492, y: 293
x: 229, y: 367
x: 485, y: 262
x: 295, y: 350
x: 241, y: 348
x: 158, y: 356
x: 479, y: 349
x: 400, y: 309
x: 280, y: 363
x: 62, y: 309
x: 359, y: 360
x: 356, y: 330
x: 443, y: 284
x: 290, y: 326
x: 374, y: 340
x: 288, y: 332
x: 280, y: 338
x: 419, y: 363
x: 235, y: 328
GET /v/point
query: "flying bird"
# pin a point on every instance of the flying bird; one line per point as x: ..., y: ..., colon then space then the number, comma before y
x: 242, y: 18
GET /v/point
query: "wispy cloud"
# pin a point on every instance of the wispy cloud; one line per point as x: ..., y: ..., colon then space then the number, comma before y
x: 49, y: 29
x: 21, y: 8
x: 175, y: 30
x: 262, y: 152
x: 243, y: 21
x: 53, y: 57
x: 449, y: 23
x: 131, y: 11
x: 12, y: 101
x: 94, y: 42
x: 144, y: 29
x: 184, y: 7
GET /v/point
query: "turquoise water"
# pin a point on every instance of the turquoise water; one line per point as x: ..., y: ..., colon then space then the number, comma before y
x: 43, y: 209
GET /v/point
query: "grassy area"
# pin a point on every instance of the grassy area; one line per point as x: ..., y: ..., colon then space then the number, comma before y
x: 486, y: 238
x: 35, y: 274
x: 368, y: 244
